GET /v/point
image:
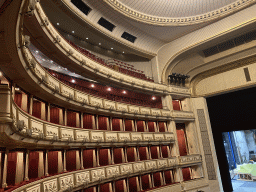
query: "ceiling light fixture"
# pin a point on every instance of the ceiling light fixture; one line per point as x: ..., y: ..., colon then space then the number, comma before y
x: 58, y: 24
x: 73, y: 81
x: 124, y: 92
x: 92, y: 85
x: 123, y: 51
x: 153, y: 98
x: 111, y: 47
x: 109, y: 89
x: 99, y: 43
x: 73, y: 31
x: 87, y: 38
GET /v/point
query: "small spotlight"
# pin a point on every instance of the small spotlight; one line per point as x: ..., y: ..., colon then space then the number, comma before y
x: 73, y: 81
x: 99, y: 43
x: 92, y: 85
x: 124, y: 92
x: 58, y: 24
x: 87, y: 38
x: 153, y: 98
x: 17, y: 89
x: 73, y: 31
x: 111, y: 47
x: 123, y: 51
x: 1, y: 73
x: 109, y: 89
x: 36, y: 51
x: 51, y: 61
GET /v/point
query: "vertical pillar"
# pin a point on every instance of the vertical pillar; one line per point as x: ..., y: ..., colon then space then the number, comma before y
x: 30, y: 110
x: 46, y: 163
x: 97, y: 157
x: 48, y: 112
x: 110, y: 123
x: 64, y: 161
x: 81, y: 120
x: 167, y: 102
x: 97, y: 122
x: 82, y: 159
x: 4, y: 184
x: 65, y: 117
x: 26, y: 166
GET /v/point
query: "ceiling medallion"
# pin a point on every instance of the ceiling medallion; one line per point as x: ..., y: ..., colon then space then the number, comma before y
x: 174, y: 21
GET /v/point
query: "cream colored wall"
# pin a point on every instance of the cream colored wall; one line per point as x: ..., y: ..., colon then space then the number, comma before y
x: 200, y: 103
x: 227, y: 81
x: 168, y: 52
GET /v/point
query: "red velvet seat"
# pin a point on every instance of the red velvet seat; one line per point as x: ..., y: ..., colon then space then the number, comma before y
x: 131, y: 154
x: 145, y: 179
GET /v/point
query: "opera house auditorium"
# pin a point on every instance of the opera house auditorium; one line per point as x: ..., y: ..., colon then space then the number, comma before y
x: 111, y: 95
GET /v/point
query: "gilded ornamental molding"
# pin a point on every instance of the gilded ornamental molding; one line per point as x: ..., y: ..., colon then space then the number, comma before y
x: 89, y: 177
x: 169, y: 21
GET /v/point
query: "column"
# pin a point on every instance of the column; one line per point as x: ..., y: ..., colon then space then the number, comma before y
x: 81, y: 158
x: 48, y: 112
x: 110, y: 123
x: 26, y: 166
x: 30, y: 110
x: 46, y: 163
x: 82, y: 120
x: 4, y: 184
x: 65, y: 117
x: 64, y: 161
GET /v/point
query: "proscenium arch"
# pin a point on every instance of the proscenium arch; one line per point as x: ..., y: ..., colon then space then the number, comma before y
x: 200, y: 45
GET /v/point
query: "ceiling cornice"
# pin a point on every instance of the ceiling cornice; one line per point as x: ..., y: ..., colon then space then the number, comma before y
x: 178, y: 21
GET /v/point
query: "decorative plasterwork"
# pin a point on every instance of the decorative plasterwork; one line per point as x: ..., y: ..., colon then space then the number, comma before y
x: 221, y: 69
x: 170, y: 21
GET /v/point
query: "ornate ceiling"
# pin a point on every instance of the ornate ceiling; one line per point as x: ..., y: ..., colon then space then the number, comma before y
x: 175, y: 12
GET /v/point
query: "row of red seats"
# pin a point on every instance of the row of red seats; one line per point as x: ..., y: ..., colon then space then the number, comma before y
x: 114, y: 94
x: 131, y: 72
